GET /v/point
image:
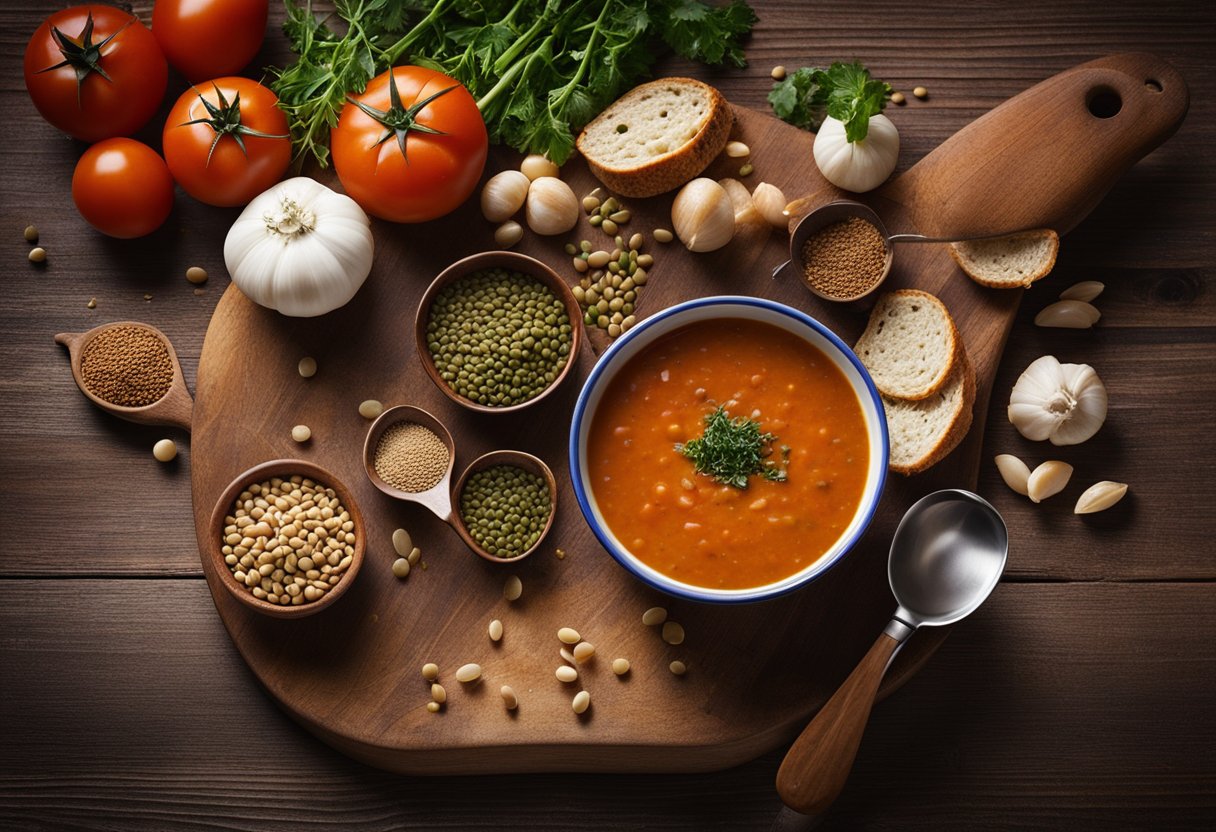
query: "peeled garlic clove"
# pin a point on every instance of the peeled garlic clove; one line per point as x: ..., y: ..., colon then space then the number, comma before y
x: 1068, y: 314
x: 503, y: 195
x: 1014, y: 472
x: 1085, y: 291
x: 508, y: 234
x: 535, y: 166
x: 703, y: 215
x: 1100, y: 496
x: 1048, y: 479
x: 552, y: 208
x: 1065, y: 403
x: 770, y: 202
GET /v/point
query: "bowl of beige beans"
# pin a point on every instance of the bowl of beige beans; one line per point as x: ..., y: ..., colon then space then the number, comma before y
x: 286, y: 538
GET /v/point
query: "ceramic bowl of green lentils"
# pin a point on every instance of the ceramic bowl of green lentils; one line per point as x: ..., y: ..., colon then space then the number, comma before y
x: 498, y: 331
x: 504, y: 504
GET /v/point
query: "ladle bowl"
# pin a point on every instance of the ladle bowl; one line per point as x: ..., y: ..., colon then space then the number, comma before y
x: 947, y: 555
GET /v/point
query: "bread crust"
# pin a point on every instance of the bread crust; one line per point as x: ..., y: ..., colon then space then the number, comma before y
x: 960, y: 424
x: 673, y: 169
x: 1004, y: 284
x: 957, y: 351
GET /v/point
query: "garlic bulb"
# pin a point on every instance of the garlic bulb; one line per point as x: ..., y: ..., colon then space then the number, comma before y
x: 552, y: 206
x: 857, y: 166
x: 503, y: 195
x: 770, y: 202
x: 1065, y: 403
x: 703, y: 215
x: 300, y: 248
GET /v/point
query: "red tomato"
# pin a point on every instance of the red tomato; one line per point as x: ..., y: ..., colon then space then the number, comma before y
x: 209, y: 38
x: 122, y: 188
x: 226, y: 141
x: 415, y: 174
x: 121, y: 68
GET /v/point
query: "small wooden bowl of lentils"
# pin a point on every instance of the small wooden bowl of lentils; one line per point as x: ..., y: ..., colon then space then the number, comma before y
x: 498, y: 331
x: 286, y: 538
x: 504, y: 504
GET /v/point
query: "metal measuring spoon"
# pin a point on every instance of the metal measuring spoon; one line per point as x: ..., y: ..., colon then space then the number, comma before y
x: 844, y: 209
x: 947, y: 555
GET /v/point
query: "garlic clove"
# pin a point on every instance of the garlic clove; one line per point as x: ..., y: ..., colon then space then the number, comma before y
x: 535, y: 166
x: 1065, y: 403
x: 1014, y: 472
x: 703, y: 215
x: 552, y: 208
x: 1100, y: 496
x: 1047, y: 480
x: 771, y: 202
x: 1068, y: 314
x: 508, y: 234
x: 503, y: 195
x: 1085, y: 291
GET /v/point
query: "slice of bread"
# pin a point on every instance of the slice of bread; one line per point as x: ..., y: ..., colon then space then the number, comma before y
x: 923, y: 433
x: 1008, y: 262
x: 910, y: 346
x: 657, y: 136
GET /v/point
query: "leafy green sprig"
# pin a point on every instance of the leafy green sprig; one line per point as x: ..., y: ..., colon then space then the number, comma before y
x: 731, y: 450
x: 845, y: 92
x: 539, y: 69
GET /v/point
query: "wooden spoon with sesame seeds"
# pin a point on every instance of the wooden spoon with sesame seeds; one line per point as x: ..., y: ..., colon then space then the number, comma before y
x: 174, y: 407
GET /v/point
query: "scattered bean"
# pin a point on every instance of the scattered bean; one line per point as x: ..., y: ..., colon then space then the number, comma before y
x: 438, y: 693
x: 414, y: 556
x: 654, y: 616
x: 590, y: 203
x: 898, y: 98
x: 92, y: 304
x: 165, y: 450
x: 430, y: 671
x: 31, y: 234
x: 508, y: 234
x: 495, y: 630
x: 747, y: 169
x: 301, y: 433
x: 778, y: 73
x: 509, y: 699
x: 620, y: 666
x: 921, y: 93
x: 38, y: 255
x: 307, y: 367
x: 663, y: 235
x: 513, y: 588
x: 737, y: 150
x: 581, y: 702
x: 583, y: 651
x: 678, y: 668
x: 401, y: 568
x: 566, y: 673
x: 566, y: 655
x: 470, y: 672
x: 196, y: 275
x: 402, y: 543
x: 568, y: 635
x: 673, y: 633
x: 370, y: 409
x: 433, y: 707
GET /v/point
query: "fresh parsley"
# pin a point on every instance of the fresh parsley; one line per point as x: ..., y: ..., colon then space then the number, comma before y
x: 731, y: 450
x: 539, y: 69
x: 845, y: 92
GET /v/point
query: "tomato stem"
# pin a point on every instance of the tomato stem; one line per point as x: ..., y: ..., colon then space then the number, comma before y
x: 225, y: 120
x: 81, y: 53
x: 399, y: 120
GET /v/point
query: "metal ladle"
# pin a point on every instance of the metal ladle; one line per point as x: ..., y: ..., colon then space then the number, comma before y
x: 947, y: 555
x: 839, y: 211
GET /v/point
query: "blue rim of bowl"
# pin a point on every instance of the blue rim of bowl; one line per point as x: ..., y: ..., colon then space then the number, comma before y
x: 685, y: 590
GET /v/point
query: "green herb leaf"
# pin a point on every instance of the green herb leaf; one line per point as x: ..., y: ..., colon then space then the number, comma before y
x: 843, y: 91
x: 731, y: 450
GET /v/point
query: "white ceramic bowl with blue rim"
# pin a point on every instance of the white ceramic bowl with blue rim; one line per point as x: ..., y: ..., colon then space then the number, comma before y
x: 725, y: 307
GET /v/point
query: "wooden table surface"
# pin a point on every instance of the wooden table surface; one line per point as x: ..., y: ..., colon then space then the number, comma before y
x: 1082, y: 695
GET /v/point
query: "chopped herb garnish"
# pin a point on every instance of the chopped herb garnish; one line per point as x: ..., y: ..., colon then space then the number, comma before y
x: 731, y: 450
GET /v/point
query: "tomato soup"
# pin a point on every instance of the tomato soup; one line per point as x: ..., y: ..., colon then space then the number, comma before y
x: 691, y: 527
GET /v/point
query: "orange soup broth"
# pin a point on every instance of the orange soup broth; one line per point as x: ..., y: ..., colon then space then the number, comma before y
x: 687, y: 525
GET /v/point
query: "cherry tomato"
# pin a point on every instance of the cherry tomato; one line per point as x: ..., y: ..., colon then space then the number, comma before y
x: 122, y: 188
x: 412, y: 148
x: 226, y: 141
x: 208, y: 38
x: 95, y: 72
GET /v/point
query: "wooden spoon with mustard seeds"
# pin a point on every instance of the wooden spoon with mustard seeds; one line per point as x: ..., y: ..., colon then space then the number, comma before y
x: 130, y: 369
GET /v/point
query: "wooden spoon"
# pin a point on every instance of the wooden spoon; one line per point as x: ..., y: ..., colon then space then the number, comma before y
x: 173, y: 409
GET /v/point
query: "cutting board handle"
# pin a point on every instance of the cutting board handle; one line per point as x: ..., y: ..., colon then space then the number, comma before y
x: 1046, y: 157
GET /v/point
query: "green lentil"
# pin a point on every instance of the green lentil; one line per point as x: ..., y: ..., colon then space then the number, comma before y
x: 505, y: 509
x: 498, y: 338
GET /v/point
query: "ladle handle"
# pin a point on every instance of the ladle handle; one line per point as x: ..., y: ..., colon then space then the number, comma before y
x: 818, y: 763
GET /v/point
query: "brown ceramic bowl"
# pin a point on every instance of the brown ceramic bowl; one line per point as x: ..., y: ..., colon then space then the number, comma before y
x: 215, y: 531
x: 498, y: 260
x: 520, y: 460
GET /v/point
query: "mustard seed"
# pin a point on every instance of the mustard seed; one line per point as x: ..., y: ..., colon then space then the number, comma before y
x: 845, y: 259
x: 127, y: 365
x: 410, y: 457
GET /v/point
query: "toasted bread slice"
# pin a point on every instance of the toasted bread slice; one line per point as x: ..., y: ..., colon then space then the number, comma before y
x: 657, y: 136
x: 923, y: 433
x: 910, y: 346
x: 1008, y: 262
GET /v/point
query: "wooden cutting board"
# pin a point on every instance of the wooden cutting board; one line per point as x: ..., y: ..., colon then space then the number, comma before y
x: 756, y: 672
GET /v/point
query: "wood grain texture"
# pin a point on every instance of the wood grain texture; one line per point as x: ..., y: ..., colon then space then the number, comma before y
x: 1079, y: 706
x: 1092, y: 717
